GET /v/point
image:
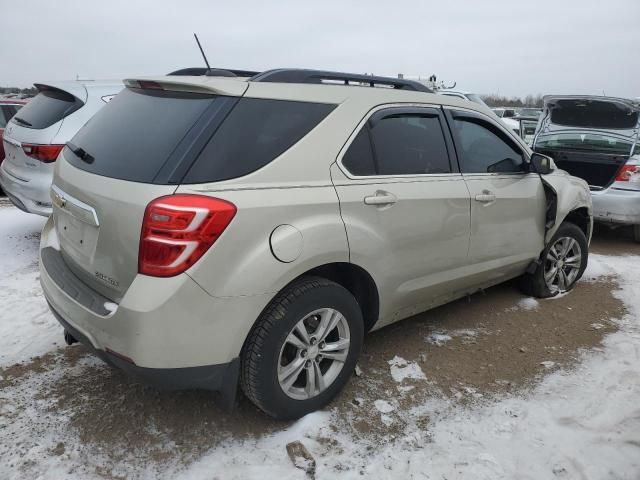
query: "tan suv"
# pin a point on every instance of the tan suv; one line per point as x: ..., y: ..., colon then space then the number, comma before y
x: 215, y: 231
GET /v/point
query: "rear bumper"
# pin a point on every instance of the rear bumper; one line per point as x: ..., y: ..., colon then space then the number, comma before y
x: 222, y: 378
x: 614, y: 205
x: 166, y: 331
x: 29, y: 196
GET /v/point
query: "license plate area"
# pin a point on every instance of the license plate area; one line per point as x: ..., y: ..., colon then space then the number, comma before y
x: 77, y: 238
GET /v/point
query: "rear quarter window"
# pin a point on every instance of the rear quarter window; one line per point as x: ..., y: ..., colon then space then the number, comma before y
x: 46, y: 108
x: 255, y: 133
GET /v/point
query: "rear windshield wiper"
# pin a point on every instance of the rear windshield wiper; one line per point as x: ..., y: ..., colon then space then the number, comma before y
x: 23, y: 122
x: 80, y: 152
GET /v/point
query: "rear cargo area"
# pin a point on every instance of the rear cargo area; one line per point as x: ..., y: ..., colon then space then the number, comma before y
x: 599, y: 170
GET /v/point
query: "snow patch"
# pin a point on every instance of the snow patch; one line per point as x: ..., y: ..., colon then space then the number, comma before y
x: 383, y: 406
x: 401, y: 369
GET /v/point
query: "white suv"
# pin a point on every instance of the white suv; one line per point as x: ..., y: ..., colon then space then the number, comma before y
x: 213, y: 231
x: 36, y: 135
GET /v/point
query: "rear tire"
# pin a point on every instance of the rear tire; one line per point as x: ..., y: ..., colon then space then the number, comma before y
x: 290, y: 365
x: 561, y: 264
x: 636, y: 233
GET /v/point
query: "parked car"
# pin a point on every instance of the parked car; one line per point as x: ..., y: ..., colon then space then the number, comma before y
x: 34, y: 138
x: 596, y: 138
x: 503, y: 112
x: 213, y: 231
x: 527, y: 119
x: 8, y: 109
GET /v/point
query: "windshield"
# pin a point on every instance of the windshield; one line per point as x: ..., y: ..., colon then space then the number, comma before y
x: 584, y: 142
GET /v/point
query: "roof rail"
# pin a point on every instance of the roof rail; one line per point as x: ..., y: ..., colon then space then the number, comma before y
x: 214, y: 72
x: 297, y: 75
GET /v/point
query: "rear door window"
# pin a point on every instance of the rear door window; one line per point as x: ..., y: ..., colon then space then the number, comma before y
x: 359, y: 157
x: 6, y: 112
x: 410, y: 144
x: 483, y: 148
x: 46, y: 108
x: 399, y: 141
x: 255, y: 133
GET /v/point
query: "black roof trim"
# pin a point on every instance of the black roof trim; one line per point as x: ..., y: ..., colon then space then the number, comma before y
x: 213, y: 72
x: 296, y: 75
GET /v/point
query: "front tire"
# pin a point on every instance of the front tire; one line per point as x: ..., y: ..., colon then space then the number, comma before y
x: 636, y: 233
x: 561, y: 264
x: 303, y: 348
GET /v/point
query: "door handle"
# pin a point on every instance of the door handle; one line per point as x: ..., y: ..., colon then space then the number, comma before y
x: 486, y: 197
x: 381, y: 198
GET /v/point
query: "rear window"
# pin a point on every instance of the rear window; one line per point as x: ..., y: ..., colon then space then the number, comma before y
x: 256, y: 132
x: 593, y: 114
x: 132, y: 136
x: 46, y: 108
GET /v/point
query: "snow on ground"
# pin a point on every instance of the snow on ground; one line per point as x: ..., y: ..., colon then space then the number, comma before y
x: 27, y: 328
x: 582, y: 423
x: 401, y: 369
x: 577, y: 424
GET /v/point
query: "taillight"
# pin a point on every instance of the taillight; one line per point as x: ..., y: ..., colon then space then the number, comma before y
x: 627, y: 172
x: 43, y: 153
x: 178, y: 229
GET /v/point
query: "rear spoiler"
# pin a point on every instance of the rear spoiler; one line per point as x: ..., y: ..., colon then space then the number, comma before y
x: 205, y: 85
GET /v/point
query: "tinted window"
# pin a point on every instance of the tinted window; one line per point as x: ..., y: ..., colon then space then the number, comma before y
x: 484, y: 150
x: 47, y: 108
x: 410, y: 145
x: 6, y: 112
x: 133, y: 135
x: 359, y: 158
x: 256, y: 132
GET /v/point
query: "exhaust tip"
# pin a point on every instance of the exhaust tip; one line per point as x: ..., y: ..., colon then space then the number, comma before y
x: 69, y: 339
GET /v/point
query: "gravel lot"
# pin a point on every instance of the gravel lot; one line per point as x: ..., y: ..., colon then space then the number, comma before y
x: 473, y: 389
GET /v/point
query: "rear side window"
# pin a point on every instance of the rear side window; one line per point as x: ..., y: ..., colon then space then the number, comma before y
x: 256, y: 132
x: 485, y: 150
x: 133, y: 135
x: 6, y: 112
x: 46, y: 108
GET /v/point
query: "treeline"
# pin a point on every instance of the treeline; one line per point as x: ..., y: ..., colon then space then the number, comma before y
x: 496, y: 100
x: 24, y: 91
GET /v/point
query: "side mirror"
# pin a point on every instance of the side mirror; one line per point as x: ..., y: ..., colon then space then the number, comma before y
x: 541, y: 164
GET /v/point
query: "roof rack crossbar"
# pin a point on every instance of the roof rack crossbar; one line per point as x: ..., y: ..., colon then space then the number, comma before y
x: 295, y: 75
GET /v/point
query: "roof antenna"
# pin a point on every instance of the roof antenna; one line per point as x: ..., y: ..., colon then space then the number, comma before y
x: 202, y: 52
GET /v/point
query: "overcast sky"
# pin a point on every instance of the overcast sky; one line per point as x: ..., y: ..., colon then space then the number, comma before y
x: 492, y: 46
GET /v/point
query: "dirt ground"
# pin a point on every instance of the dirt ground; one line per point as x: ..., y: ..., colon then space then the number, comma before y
x: 493, y: 342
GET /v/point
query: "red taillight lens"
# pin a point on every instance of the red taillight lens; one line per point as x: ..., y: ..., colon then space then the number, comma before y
x: 43, y: 153
x: 627, y: 171
x: 178, y: 229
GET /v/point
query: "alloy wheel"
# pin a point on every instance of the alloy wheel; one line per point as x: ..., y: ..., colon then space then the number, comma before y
x: 313, y: 354
x: 562, y: 264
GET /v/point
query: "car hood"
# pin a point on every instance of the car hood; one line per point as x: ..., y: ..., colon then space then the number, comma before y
x: 615, y: 116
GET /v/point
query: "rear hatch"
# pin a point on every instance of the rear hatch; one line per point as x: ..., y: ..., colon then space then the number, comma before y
x: 37, y: 123
x: 135, y: 149
x: 589, y: 137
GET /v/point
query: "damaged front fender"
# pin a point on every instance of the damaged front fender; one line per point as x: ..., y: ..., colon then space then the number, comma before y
x: 568, y: 198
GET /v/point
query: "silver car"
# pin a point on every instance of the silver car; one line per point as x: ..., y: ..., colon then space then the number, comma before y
x: 596, y: 138
x: 36, y: 135
x: 215, y: 231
